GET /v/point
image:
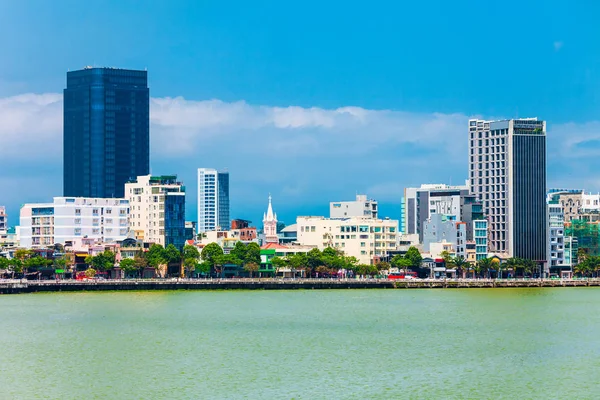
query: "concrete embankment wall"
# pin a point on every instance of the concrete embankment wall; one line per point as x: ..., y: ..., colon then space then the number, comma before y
x: 30, y: 287
x: 15, y: 287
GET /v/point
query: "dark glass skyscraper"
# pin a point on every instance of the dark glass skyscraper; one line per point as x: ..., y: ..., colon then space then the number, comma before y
x: 106, y: 131
x: 223, y: 199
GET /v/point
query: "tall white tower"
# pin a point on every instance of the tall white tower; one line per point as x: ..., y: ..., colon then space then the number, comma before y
x: 270, y: 225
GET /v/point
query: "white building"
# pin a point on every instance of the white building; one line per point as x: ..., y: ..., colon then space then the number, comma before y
x: 442, y: 228
x: 556, y: 233
x: 420, y: 204
x: 69, y: 218
x: 213, y: 200
x: 361, y: 207
x: 3, y: 221
x: 362, y: 237
x: 270, y: 225
x: 157, y: 209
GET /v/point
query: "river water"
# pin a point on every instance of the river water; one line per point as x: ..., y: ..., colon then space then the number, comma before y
x: 309, y: 344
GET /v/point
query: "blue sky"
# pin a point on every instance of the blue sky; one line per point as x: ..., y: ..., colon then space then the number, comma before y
x: 311, y: 101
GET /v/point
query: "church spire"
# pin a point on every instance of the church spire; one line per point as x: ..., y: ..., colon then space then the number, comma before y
x: 270, y: 224
x: 270, y: 215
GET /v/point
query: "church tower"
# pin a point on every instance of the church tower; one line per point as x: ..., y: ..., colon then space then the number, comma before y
x: 270, y: 225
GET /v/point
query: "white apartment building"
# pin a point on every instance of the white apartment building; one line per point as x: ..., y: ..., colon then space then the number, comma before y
x: 213, y: 200
x: 361, y: 207
x: 70, y: 218
x: 157, y: 209
x: 556, y: 233
x: 362, y: 237
x: 3, y: 221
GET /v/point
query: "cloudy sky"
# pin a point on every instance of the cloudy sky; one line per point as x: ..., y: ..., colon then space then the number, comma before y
x: 309, y: 106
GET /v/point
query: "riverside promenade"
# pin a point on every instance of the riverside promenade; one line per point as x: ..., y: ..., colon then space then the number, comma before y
x: 24, y: 286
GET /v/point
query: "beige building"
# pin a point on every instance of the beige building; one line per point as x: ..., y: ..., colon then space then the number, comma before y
x: 362, y: 237
x: 157, y: 209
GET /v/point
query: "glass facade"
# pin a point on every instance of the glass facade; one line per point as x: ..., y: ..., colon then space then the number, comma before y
x: 529, y: 185
x: 106, y: 131
x: 223, y: 199
x: 175, y: 220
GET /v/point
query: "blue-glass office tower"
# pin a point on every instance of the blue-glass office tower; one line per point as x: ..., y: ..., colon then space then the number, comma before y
x: 106, y: 130
x: 223, y: 199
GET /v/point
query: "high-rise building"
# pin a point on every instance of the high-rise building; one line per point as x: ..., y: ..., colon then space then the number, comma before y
x: 106, y: 131
x: 507, y: 171
x: 157, y: 209
x: 361, y: 207
x: 213, y: 200
x: 69, y: 218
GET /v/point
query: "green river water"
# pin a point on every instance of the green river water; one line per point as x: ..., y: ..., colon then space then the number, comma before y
x: 355, y: 344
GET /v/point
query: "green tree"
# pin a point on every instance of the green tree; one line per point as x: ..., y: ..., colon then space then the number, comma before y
x: 279, y: 262
x: 298, y: 262
x: 414, y: 256
x: 447, y: 257
x: 251, y: 268
x: 90, y: 272
x: 313, y: 259
x: 252, y: 253
x: 23, y: 254
x: 140, y: 262
x: 172, y: 255
x: 4, y: 263
x: 15, y: 265
x: 191, y: 256
x: 513, y: 264
x: 36, y: 262
x: 60, y: 264
x: 498, y: 266
x: 529, y: 266
x: 204, y: 267
x: 239, y: 250
x: 383, y: 266
x: 461, y: 264
x: 483, y: 266
x: 128, y: 265
x: 156, y: 258
x: 211, y: 252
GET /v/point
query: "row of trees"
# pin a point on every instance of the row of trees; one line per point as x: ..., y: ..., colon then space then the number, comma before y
x: 28, y: 261
x: 484, y: 267
x: 330, y: 261
x: 588, y: 266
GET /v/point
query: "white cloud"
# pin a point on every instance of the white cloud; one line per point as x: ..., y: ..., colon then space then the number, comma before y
x: 302, y: 155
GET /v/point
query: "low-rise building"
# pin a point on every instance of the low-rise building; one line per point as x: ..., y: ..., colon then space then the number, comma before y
x: 228, y: 239
x: 157, y: 209
x: 69, y: 218
x: 361, y: 207
x: 272, y: 250
x: 365, y: 238
x: 3, y: 221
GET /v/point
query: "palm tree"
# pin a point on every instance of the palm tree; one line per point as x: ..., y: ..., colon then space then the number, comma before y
x: 499, y: 266
x: 461, y: 264
x: 513, y: 263
x: 529, y: 266
x: 484, y: 265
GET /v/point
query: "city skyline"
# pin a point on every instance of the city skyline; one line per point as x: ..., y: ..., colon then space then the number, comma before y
x: 316, y: 119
